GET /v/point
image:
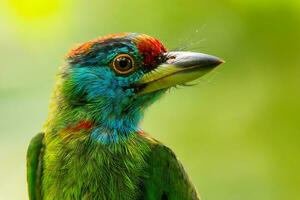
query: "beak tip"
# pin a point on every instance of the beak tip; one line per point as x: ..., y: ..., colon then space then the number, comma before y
x: 221, y: 61
x: 215, y: 61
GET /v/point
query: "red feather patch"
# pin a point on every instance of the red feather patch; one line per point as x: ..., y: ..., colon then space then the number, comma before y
x: 81, y: 125
x: 150, y: 48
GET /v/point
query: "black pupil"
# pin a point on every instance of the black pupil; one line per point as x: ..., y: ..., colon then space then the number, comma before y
x: 124, y: 63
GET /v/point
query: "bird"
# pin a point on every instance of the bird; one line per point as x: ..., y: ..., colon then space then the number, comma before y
x: 91, y: 145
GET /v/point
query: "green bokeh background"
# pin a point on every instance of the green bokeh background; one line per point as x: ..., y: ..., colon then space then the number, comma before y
x: 237, y: 132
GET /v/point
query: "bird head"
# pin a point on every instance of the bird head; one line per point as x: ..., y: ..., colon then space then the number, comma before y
x: 114, y: 78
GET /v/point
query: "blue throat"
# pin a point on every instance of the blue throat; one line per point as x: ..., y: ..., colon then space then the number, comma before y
x: 115, y: 111
x: 114, y: 127
x: 114, y: 135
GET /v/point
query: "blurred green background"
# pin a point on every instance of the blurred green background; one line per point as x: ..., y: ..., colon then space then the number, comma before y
x: 237, y: 132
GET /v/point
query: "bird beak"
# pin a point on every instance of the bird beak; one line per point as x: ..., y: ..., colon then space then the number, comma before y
x: 179, y: 68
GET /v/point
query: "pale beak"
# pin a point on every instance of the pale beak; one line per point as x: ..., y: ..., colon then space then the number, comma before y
x: 179, y: 68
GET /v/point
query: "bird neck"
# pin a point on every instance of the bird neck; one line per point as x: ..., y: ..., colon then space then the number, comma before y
x: 104, y: 122
x: 113, y: 127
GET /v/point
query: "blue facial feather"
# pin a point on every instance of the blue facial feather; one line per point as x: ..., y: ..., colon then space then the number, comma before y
x: 114, y: 107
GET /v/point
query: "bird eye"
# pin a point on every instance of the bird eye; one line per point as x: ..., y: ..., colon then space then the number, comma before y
x: 123, y: 64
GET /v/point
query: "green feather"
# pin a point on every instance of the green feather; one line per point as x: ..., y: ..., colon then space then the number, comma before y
x: 34, y: 166
x: 167, y: 179
x: 142, y: 168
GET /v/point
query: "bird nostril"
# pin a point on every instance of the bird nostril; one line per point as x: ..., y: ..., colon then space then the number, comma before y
x: 171, y: 59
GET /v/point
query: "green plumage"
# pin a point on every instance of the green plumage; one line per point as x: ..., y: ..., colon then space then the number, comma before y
x: 142, y: 168
x: 34, y: 166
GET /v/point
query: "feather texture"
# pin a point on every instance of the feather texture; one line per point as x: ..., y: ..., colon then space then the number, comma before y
x: 92, y: 146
